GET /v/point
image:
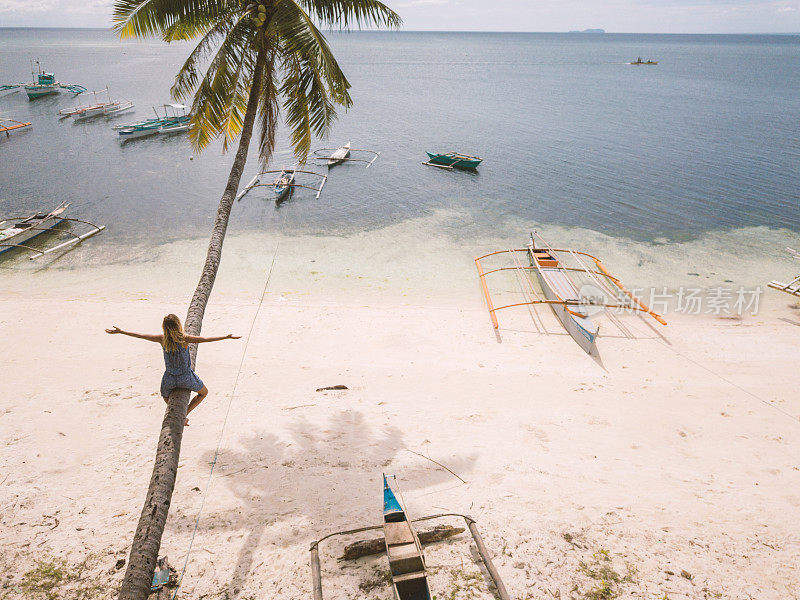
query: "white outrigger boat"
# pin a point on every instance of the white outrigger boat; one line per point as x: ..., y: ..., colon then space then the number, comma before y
x: 793, y: 286
x: 23, y: 229
x: 341, y: 155
x: 559, y: 290
x: 283, y: 185
x: 43, y: 84
x: 97, y: 108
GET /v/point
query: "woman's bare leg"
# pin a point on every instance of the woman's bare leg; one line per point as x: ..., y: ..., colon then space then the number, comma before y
x: 201, y: 395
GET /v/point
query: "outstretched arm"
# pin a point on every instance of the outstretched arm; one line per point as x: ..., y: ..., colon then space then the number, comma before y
x: 196, y: 339
x: 142, y: 336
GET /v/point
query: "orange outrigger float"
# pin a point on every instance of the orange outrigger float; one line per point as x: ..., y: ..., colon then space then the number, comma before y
x: 571, y: 306
x: 7, y: 125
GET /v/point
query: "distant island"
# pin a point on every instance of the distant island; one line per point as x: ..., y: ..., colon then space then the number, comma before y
x: 589, y: 31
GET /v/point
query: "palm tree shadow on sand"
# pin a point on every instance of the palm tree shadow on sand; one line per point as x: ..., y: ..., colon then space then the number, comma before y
x: 323, y: 468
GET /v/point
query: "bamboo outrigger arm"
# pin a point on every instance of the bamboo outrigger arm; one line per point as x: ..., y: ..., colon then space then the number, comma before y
x: 14, y: 125
x: 639, y: 307
x: 793, y: 286
x: 316, y: 571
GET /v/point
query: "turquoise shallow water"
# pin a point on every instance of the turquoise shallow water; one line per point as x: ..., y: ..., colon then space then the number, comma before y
x: 571, y: 136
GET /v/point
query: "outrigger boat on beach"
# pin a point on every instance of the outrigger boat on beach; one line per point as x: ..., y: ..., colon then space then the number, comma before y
x: 43, y: 84
x: 404, y: 550
x: 341, y: 154
x: 453, y: 160
x: 23, y: 229
x: 284, y: 184
x: 793, y: 286
x: 406, y: 560
x: 560, y: 289
x: 9, y: 125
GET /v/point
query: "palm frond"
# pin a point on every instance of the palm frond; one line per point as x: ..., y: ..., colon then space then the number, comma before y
x: 149, y: 18
x: 221, y: 97
x: 349, y: 13
x: 186, y: 79
x: 300, y: 37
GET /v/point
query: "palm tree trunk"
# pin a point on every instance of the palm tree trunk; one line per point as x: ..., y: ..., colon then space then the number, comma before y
x: 147, y: 540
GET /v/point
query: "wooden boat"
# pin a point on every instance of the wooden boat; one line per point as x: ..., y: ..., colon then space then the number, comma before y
x: 793, y: 286
x: 565, y: 299
x: 639, y: 61
x: 23, y: 229
x: 342, y: 154
x: 26, y: 229
x: 339, y: 155
x: 284, y: 184
x: 453, y: 160
x: 404, y: 551
x: 572, y: 306
x: 9, y: 125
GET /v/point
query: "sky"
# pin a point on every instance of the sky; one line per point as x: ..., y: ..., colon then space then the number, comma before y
x: 632, y: 16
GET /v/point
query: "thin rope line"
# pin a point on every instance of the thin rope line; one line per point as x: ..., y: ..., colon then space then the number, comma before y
x: 729, y: 382
x: 225, y: 421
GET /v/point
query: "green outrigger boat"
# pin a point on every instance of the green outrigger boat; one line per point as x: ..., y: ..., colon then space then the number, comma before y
x: 453, y: 160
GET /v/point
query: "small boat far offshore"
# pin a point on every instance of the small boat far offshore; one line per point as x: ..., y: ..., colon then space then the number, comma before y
x: 453, y: 160
x: 404, y: 551
x: 639, y: 61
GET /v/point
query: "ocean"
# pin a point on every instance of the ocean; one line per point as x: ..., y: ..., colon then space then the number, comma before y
x: 698, y: 154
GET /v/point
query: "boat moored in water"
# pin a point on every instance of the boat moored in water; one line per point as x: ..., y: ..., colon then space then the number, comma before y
x: 21, y: 230
x: 453, y: 160
x: 43, y: 84
x: 174, y: 120
x: 342, y: 154
x: 284, y: 184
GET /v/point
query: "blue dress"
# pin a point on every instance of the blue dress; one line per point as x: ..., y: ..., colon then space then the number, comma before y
x: 178, y: 373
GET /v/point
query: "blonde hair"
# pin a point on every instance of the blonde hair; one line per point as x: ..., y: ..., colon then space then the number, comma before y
x: 173, y: 333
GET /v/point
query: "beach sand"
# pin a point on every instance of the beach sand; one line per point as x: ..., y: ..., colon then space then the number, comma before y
x: 668, y: 468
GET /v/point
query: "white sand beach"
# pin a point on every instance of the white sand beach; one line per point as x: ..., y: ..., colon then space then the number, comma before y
x: 669, y: 468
